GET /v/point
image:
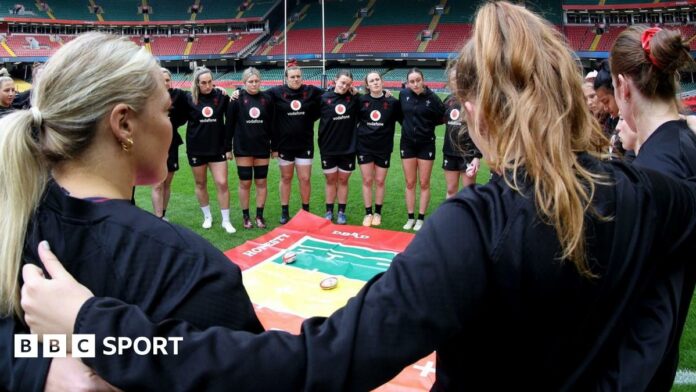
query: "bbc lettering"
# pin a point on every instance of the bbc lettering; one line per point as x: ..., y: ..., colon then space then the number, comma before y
x: 83, y: 346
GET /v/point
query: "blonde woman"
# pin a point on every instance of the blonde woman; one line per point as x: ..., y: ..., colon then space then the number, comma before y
x: 72, y: 165
x: 7, y: 95
x: 249, y: 123
x: 532, y: 264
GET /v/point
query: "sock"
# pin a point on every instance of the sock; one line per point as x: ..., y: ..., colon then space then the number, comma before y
x: 284, y: 210
x: 421, y: 216
x: 206, y: 212
x: 378, y: 208
x: 341, y: 207
x: 164, y: 212
x: 225, y: 215
x: 245, y: 213
x: 368, y: 210
x: 411, y: 216
x: 259, y: 211
x: 305, y: 207
x: 329, y: 207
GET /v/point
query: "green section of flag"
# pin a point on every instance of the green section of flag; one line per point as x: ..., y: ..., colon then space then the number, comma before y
x: 337, y: 259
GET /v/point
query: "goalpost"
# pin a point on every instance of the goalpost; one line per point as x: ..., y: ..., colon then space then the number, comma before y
x: 323, y: 43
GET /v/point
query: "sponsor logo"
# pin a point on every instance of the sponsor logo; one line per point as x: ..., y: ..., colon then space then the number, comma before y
x: 454, y: 114
x: 254, y: 112
x: 207, y: 112
x: 295, y: 105
x: 375, y: 115
x: 340, y: 109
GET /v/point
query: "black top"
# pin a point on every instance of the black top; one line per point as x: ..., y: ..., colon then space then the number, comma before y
x: 249, y: 120
x: 22, y: 100
x: 457, y: 143
x: 118, y: 250
x: 339, y: 113
x: 481, y: 278
x: 178, y: 114
x: 4, y: 111
x: 295, y: 113
x: 649, y: 354
x: 376, y: 123
x: 671, y: 149
x: 422, y: 112
x: 205, y: 132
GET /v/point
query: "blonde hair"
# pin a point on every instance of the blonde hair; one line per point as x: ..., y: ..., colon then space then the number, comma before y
x: 249, y: 72
x: 527, y: 88
x: 168, y: 72
x: 95, y: 72
x: 195, y: 90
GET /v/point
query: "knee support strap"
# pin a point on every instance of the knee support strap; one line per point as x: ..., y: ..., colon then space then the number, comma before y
x: 244, y: 173
x: 260, y: 172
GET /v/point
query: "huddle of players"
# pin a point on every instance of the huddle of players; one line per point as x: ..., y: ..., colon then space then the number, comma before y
x: 254, y: 124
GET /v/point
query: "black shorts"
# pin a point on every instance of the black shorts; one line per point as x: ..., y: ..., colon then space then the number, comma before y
x: 253, y: 156
x: 344, y: 163
x: 173, y: 161
x: 200, y: 160
x: 421, y: 150
x: 381, y: 160
x: 291, y: 155
x: 454, y: 163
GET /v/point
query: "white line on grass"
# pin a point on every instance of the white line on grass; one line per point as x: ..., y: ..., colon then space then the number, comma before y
x: 685, y: 377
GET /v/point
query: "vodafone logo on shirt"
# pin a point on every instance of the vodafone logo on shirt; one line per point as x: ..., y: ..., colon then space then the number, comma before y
x: 207, y: 112
x: 254, y: 112
x: 454, y: 114
x: 295, y: 105
x: 375, y: 115
x: 340, y: 109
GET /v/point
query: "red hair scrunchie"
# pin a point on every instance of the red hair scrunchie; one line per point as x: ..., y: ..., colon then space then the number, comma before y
x: 645, y: 39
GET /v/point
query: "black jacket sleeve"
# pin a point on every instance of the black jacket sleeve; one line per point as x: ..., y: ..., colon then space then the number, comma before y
x: 397, y: 318
x: 230, y: 123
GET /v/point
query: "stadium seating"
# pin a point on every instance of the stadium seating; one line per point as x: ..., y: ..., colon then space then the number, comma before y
x: 71, y: 10
x: 307, y: 41
x: 32, y: 45
x: 449, y: 37
x: 579, y: 37
x: 396, y: 38
x: 27, y: 10
x: 259, y: 8
x: 207, y: 44
x: 218, y: 9
x: 241, y: 43
x: 396, y: 12
x: 170, y: 9
x: 120, y: 10
x: 168, y: 46
x: 336, y: 14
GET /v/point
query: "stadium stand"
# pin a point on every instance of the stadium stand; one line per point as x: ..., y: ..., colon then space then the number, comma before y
x: 21, y: 9
x: 120, y: 10
x: 165, y: 10
x: 168, y: 46
x: 259, y: 8
x: 71, y: 10
x: 218, y: 9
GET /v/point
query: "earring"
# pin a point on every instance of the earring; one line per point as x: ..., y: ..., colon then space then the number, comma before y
x: 127, y: 144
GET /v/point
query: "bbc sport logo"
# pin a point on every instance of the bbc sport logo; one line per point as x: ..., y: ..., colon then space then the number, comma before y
x: 84, y: 345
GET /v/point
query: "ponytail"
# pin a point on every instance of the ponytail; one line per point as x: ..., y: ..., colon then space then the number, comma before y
x: 23, y: 173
